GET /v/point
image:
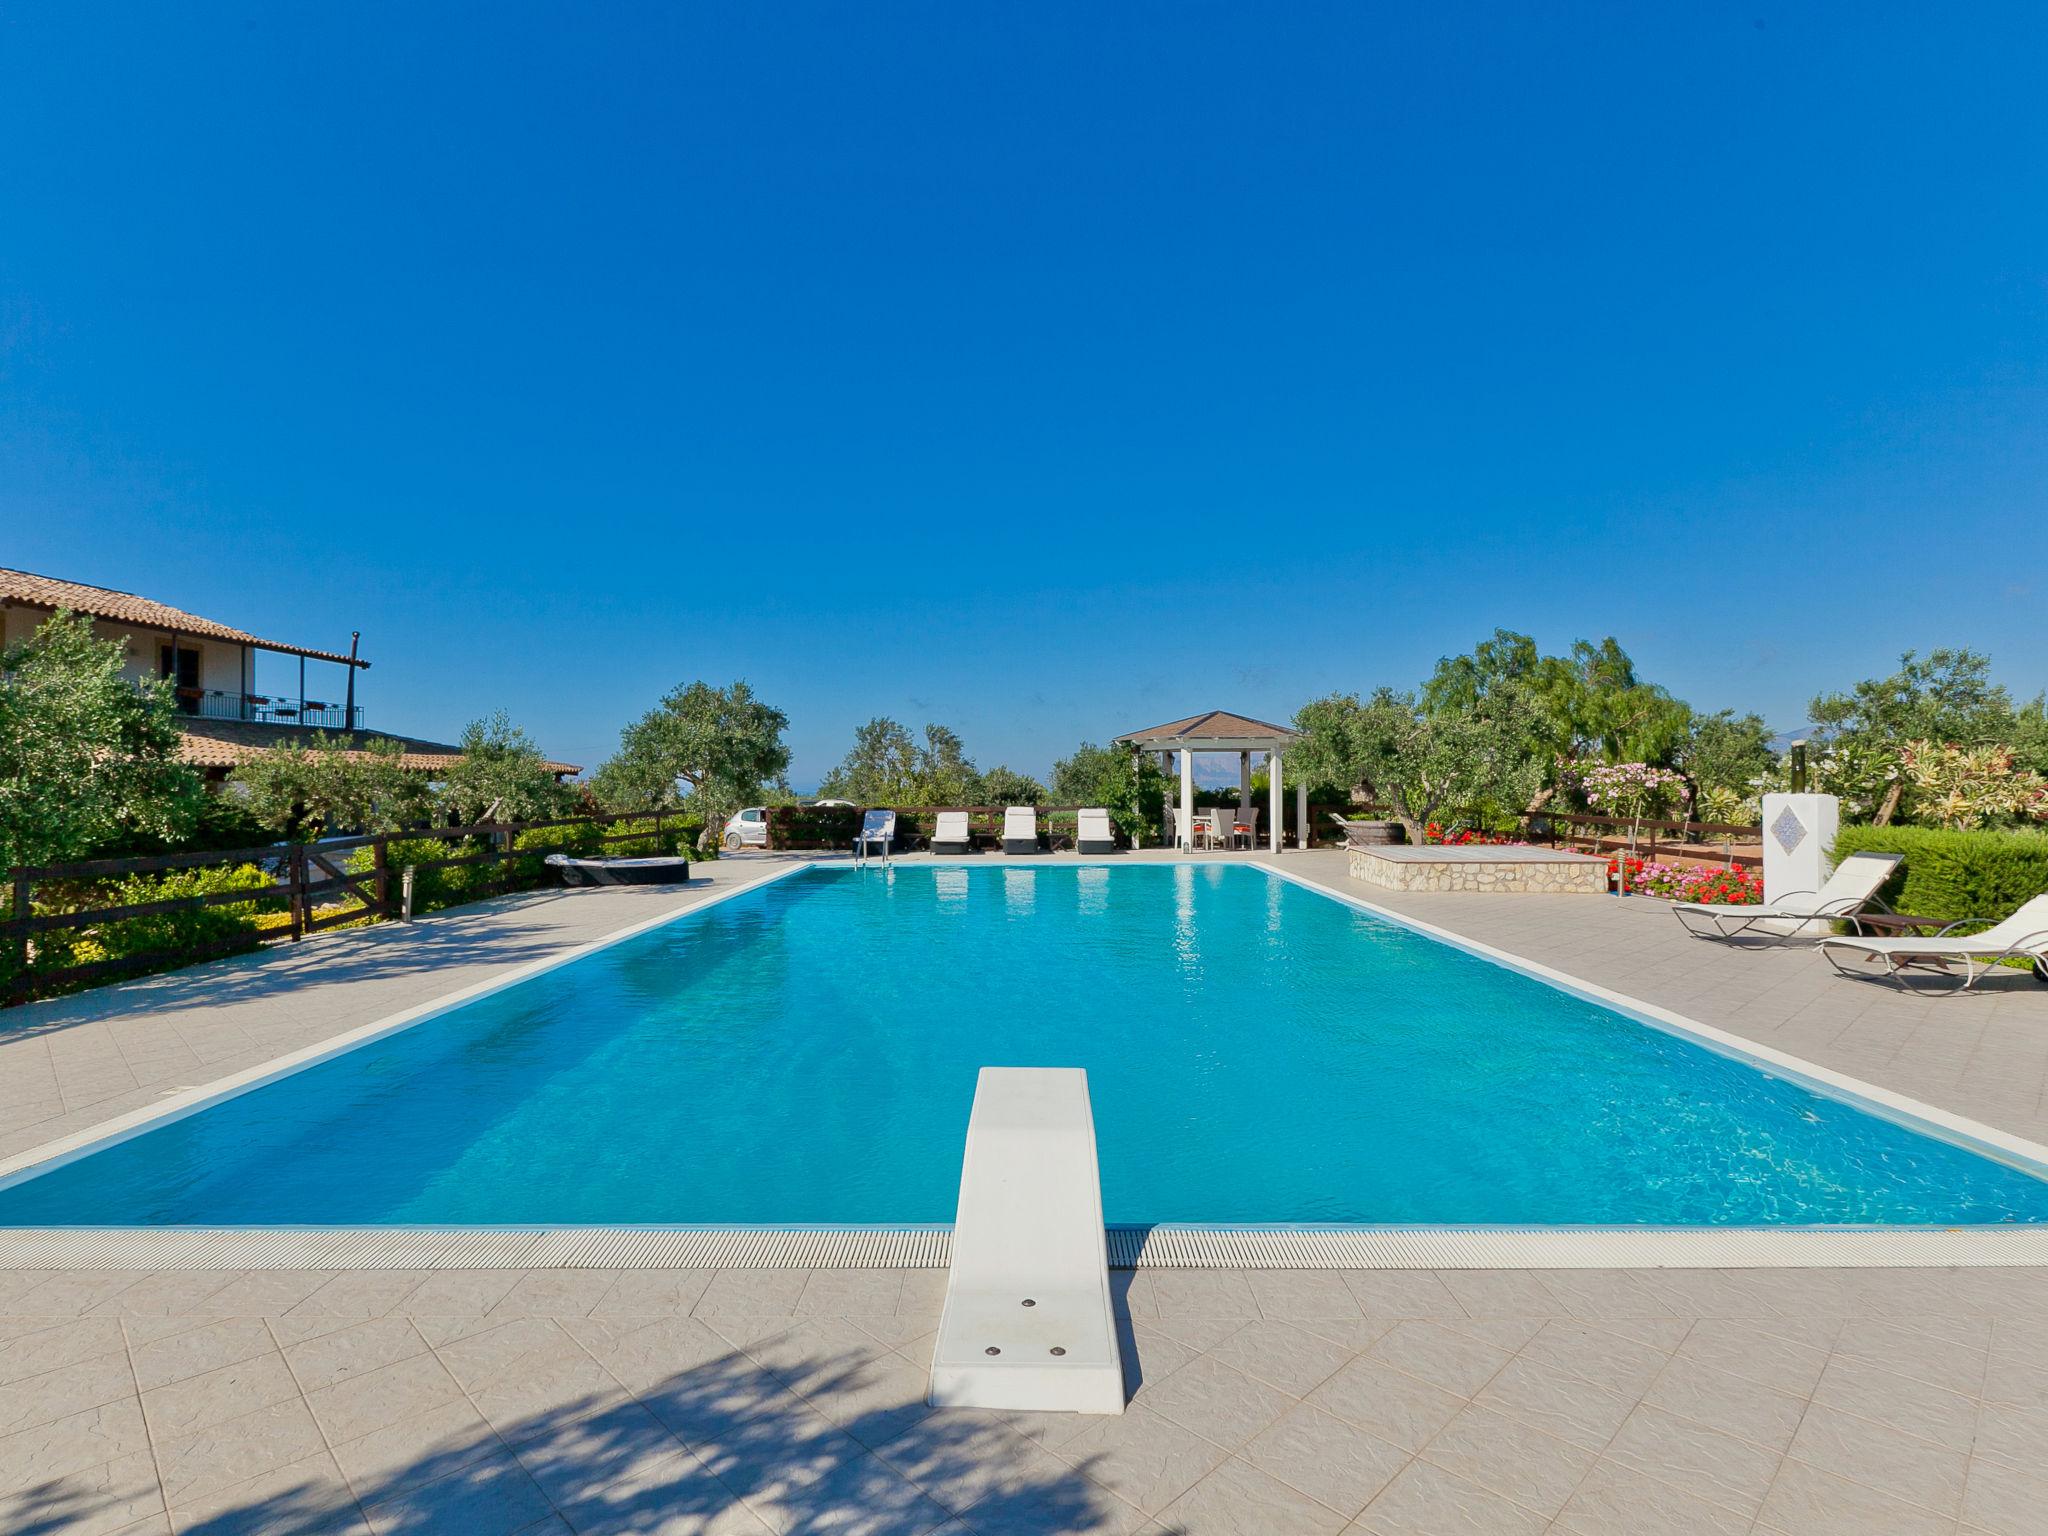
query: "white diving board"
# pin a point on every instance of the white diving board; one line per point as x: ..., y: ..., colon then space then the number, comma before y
x: 1028, y: 1322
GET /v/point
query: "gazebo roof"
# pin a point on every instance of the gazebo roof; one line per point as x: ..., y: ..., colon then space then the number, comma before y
x: 1216, y: 730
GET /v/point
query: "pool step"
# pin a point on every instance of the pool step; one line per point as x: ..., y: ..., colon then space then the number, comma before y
x: 1028, y: 1322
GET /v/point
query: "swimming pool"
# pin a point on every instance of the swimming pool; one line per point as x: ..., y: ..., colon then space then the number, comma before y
x: 806, y: 1053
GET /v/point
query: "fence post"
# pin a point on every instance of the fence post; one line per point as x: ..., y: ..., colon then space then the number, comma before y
x: 18, y: 914
x: 380, y: 862
x: 295, y: 871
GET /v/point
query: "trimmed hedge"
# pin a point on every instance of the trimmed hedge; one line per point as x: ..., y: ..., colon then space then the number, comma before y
x: 1955, y: 874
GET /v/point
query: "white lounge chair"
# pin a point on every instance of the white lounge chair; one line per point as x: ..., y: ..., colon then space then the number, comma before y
x: 952, y: 835
x: 1020, y: 829
x: 2024, y: 935
x: 1028, y: 1321
x: 876, y: 828
x: 1094, y: 833
x: 1852, y: 888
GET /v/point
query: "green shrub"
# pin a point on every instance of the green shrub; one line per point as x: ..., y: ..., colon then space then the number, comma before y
x: 433, y: 889
x: 1955, y: 874
x: 160, y: 941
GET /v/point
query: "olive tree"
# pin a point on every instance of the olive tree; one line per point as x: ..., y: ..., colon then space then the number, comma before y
x: 724, y: 745
x: 88, y: 757
x: 1418, y: 763
x: 325, y: 785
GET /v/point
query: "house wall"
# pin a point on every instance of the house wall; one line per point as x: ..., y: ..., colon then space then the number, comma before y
x: 220, y: 661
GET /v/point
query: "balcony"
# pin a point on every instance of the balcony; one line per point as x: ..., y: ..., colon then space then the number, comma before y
x: 267, y: 709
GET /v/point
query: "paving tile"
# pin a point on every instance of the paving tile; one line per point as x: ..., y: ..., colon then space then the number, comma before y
x: 682, y: 1500
x: 387, y: 1394
x: 1703, y: 1462
x: 1756, y: 1352
x: 1290, y: 1295
x: 1805, y: 1501
x: 555, y: 1293
x: 570, y: 1460
x: 752, y: 1292
x: 419, y: 1449
x: 1501, y: 1293
x: 654, y: 1292
x: 1952, y: 1358
x: 1732, y: 1404
x: 1334, y: 1463
x: 213, y: 1397
x: 643, y: 1353
x: 2005, y: 1501
x: 460, y: 1293
x: 67, y: 1390
x: 1282, y: 1355
x: 63, y: 1342
x: 193, y: 1351
x: 839, y: 1291
x: 195, y: 1467
x: 1141, y: 1456
x: 71, y: 1443
x: 1398, y: 1293
x: 1613, y: 1500
x: 1605, y: 1359
x: 490, y: 1497
x: 1425, y: 1500
x: 354, y: 1351
x: 1238, y: 1499
x: 1506, y: 1456
x: 1906, y: 1403
x: 1881, y: 1457
x: 1217, y: 1402
x: 305, y: 1498
x: 1440, y: 1356
x: 2018, y: 1437
x: 1387, y: 1403
x: 1557, y: 1403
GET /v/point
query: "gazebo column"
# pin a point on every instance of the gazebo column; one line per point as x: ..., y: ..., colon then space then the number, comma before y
x: 1244, y: 780
x: 1301, y: 826
x: 1279, y: 802
x: 1186, y: 832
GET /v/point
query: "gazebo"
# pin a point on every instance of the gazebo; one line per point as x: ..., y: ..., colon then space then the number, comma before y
x: 1221, y: 731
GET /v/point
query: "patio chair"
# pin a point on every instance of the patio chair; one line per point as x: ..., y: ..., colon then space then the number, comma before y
x: 2023, y: 936
x: 952, y: 834
x: 1852, y: 888
x: 1244, y: 824
x: 1020, y: 830
x: 1093, y: 834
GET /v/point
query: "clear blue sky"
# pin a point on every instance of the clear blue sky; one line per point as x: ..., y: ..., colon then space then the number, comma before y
x: 1042, y: 370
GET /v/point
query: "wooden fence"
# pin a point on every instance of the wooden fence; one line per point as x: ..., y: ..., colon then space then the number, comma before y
x: 312, y: 887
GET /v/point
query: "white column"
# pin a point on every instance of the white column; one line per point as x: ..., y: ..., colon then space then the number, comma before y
x: 1244, y: 781
x: 1279, y: 803
x: 1301, y: 826
x: 1798, y: 832
x: 1187, y: 799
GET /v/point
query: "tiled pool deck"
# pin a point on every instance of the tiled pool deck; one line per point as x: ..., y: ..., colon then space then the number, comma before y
x: 1385, y: 1401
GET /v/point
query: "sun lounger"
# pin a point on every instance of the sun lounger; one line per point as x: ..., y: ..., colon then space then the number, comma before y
x: 877, y: 829
x: 2024, y: 935
x: 1028, y: 1320
x: 951, y: 835
x: 1020, y: 829
x: 1852, y: 888
x: 1094, y: 833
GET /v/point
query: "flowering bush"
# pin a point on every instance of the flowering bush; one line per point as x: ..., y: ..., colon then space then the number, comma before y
x: 1464, y: 837
x: 1697, y: 882
x: 1965, y: 787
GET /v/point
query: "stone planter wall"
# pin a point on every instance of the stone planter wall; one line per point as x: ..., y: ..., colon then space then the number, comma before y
x: 1542, y: 871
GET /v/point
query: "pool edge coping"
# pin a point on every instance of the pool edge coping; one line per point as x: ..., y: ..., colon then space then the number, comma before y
x: 905, y: 1245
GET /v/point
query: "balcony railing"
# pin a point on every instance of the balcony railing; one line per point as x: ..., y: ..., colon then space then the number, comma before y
x: 267, y: 709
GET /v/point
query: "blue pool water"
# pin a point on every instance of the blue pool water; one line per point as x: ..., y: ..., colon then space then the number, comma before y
x: 807, y: 1052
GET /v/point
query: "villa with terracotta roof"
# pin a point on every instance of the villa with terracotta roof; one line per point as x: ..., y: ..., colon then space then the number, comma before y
x: 211, y: 668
